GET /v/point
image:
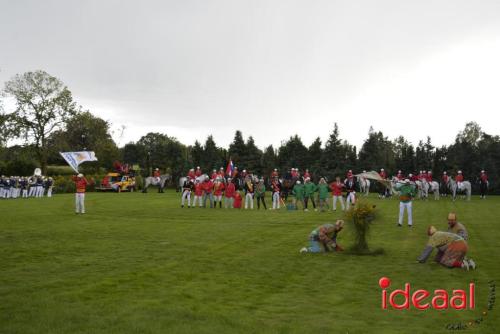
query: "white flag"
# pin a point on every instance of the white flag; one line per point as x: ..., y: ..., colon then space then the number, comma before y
x: 74, y: 159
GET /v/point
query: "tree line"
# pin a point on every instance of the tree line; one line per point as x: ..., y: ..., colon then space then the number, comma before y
x: 48, y: 121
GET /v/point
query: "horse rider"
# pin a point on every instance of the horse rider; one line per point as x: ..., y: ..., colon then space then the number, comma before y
x: 307, y: 175
x: 156, y: 175
x: 349, y: 173
x: 383, y: 176
x: 429, y: 176
x: 400, y: 176
x: 460, y: 179
x: 221, y: 173
x: 191, y: 175
x: 197, y: 173
x: 214, y: 175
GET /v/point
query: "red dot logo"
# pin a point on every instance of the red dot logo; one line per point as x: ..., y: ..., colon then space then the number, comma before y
x: 384, y: 282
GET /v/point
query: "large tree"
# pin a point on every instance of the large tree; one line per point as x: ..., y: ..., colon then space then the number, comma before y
x: 377, y: 152
x: 43, y: 104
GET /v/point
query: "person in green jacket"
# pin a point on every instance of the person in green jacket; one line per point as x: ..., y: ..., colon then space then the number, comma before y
x: 260, y: 192
x: 298, y: 193
x: 323, y: 190
x: 309, y: 189
x: 406, y: 193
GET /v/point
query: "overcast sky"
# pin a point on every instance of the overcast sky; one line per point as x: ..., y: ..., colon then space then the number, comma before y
x: 269, y: 68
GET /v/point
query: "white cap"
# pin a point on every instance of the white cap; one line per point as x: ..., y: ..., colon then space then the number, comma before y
x: 459, y: 172
x: 407, y: 180
x: 482, y: 171
x: 410, y: 175
x: 244, y: 171
x: 382, y: 169
x: 275, y: 169
x: 399, y: 171
x: 298, y: 182
x: 444, y: 173
x: 198, y: 167
x: 80, y: 175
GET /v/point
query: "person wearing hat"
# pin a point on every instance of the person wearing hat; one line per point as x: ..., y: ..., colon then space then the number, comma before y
x: 229, y: 194
x: 274, y: 173
x: 383, y: 176
x: 406, y: 193
x: 157, y: 175
x: 349, y: 173
x: 452, y: 249
x: 324, y: 238
x: 191, y: 175
x: 399, y: 175
x: 218, y: 190
x: 298, y: 194
x: 350, y: 187
x: 309, y: 189
x: 459, y: 179
x: 307, y: 175
x: 214, y: 175
x: 444, y: 184
x: 198, y: 172
x: 80, y: 185
x: 483, y: 184
x: 276, y: 190
x: 198, y: 193
x: 187, y: 188
x: 337, y: 188
x: 221, y: 173
x: 260, y: 193
x: 208, y: 188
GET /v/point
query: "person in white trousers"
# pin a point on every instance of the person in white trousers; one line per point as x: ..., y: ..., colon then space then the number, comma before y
x: 406, y: 193
x: 350, y: 185
x: 336, y: 188
x: 81, y: 185
x: 187, y: 187
x: 276, y: 187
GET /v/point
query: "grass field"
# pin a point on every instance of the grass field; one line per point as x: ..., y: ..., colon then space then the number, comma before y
x: 138, y: 263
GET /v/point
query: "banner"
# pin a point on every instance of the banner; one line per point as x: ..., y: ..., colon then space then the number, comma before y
x: 229, y: 168
x: 74, y: 159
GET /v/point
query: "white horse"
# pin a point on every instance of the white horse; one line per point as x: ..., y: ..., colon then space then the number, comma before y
x: 364, y: 185
x: 434, y: 188
x: 466, y: 189
x: 153, y: 181
x: 422, y: 189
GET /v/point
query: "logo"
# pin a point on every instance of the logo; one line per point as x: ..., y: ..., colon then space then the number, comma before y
x: 421, y: 299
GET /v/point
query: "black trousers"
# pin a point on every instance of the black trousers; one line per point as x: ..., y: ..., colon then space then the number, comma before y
x: 306, y: 200
x: 259, y: 199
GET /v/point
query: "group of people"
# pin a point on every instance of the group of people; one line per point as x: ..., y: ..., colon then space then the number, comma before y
x: 23, y: 187
x: 233, y: 191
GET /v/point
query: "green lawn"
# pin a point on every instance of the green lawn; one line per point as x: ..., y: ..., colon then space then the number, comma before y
x: 138, y: 263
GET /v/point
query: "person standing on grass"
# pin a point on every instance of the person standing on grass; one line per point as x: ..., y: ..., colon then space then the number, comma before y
x: 276, y: 189
x: 208, y: 187
x: 81, y: 184
x: 187, y: 188
x: 309, y: 189
x: 350, y: 187
x: 218, y: 190
x: 324, y: 238
x: 260, y: 193
x: 298, y: 194
x: 323, y: 191
x: 198, y: 193
x: 483, y: 184
x: 337, y: 188
x: 249, y: 192
x: 229, y: 194
x: 406, y: 193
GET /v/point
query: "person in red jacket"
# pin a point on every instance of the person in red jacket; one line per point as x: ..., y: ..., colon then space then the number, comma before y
x: 218, y: 190
x: 208, y: 187
x: 156, y: 175
x: 229, y: 194
x: 80, y: 185
x: 383, y: 189
x: 198, y: 193
x: 429, y: 176
x: 274, y: 173
x: 237, y: 200
x: 221, y: 173
x: 307, y: 174
x: 214, y: 175
x: 400, y: 176
x: 191, y: 174
x: 336, y: 188
x: 459, y: 178
x: 445, y: 178
x: 198, y: 171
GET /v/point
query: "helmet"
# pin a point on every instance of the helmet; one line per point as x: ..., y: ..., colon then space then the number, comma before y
x: 459, y: 172
x: 444, y: 173
x: 80, y: 175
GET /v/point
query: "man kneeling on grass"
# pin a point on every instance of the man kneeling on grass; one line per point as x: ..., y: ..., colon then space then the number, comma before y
x: 324, y: 238
x: 451, y: 249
